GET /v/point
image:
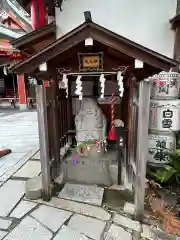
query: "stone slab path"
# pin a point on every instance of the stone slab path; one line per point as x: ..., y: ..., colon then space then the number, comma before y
x: 61, y: 219
x: 75, y: 218
x: 79, y: 193
x: 19, y: 132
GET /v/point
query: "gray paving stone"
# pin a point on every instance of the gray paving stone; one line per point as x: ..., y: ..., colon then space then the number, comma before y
x: 82, y: 193
x: 9, y: 160
x: 20, y: 139
x: 91, y: 227
x: 152, y: 232
x: 29, y: 170
x: 10, y: 193
x: 52, y: 218
x: 117, y: 233
x: 2, y: 234
x: 29, y: 229
x: 18, y: 165
x: 5, y: 223
x: 127, y: 222
x: 23, y: 208
x: 80, y: 208
x: 66, y: 233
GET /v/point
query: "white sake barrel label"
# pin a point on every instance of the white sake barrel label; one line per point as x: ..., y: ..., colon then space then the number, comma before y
x: 159, y: 147
x: 165, y: 86
x: 164, y: 115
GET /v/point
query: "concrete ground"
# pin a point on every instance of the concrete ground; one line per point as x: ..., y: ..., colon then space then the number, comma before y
x: 18, y: 132
x: 58, y: 219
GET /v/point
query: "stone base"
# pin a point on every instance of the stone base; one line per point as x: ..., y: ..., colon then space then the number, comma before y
x: 33, y: 188
x: 88, y: 170
x: 23, y: 107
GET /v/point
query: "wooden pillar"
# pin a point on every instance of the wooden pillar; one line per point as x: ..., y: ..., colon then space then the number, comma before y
x: 22, y: 92
x: 44, y: 141
x: 39, y: 14
x: 142, y: 147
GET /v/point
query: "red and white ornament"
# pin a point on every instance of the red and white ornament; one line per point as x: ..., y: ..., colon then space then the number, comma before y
x: 112, y: 133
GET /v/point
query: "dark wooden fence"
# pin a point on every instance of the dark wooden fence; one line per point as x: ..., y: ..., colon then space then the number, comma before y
x: 53, y: 113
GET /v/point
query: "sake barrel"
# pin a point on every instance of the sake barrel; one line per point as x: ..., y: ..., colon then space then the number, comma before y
x: 164, y: 115
x: 165, y: 86
x: 159, y: 145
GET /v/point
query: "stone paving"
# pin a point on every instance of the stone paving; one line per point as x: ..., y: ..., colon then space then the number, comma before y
x: 18, y: 132
x: 58, y: 219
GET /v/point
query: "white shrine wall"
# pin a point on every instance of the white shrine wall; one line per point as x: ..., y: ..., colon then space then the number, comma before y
x: 142, y: 21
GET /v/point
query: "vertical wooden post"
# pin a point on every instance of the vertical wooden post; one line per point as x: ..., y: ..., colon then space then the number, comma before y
x: 22, y: 92
x: 55, y: 129
x: 44, y: 142
x: 142, y: 147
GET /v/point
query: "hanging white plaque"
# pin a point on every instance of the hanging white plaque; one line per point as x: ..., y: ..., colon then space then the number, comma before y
x: 108, y: 100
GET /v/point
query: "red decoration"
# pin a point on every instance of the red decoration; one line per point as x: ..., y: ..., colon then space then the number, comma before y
x: 17, y: 56
x: 112, y: 133
x: 2, y: 52
x: 46, y: 83
x: 161, y: 82
x: 98, y: 143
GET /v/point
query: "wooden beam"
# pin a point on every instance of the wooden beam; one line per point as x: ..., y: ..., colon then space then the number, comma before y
x: 142, y: 148
x: 44, y: 142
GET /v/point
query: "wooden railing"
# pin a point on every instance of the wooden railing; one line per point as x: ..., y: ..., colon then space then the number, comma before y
x: 10, y: 93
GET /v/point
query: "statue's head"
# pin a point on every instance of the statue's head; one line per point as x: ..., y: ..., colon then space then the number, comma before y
x: 89, y: 105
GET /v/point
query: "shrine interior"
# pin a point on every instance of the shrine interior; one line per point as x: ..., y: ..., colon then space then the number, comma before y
x: 92, y: 120
x: 8, y: 84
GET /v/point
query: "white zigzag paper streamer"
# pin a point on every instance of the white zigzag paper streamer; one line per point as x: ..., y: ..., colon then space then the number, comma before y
x: 120, y: 83
x: 79, y: 87
x: 102, y: 81
x: 65, y: 81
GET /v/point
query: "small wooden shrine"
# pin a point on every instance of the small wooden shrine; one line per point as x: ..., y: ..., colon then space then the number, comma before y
x: 92, y: 71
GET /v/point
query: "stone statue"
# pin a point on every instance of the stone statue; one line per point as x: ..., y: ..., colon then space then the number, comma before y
x: 90, y: 122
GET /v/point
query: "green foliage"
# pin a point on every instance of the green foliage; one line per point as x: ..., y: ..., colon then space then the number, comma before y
x: 81, y: 145
x: 169, y: 173
x: 86, y: 143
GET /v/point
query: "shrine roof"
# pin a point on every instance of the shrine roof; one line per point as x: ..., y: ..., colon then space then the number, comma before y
x: 12, y: 9
x: 101, y: 35
x: 175, y: 20
x: 9, y: 32
x: 29, y: 38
